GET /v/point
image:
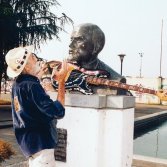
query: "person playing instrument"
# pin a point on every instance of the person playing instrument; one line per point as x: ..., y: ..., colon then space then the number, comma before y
x: 34, y: 113
x: 87, y: 40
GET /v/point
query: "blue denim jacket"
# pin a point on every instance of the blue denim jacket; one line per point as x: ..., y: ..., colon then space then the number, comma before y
x: 34, y: 115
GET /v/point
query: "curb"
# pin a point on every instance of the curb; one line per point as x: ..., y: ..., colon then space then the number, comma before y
x: 144, y: 161
x: 6, y: 124
x: 150, y: 120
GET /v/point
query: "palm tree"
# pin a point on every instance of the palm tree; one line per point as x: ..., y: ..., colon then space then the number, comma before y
x: 26, y: 22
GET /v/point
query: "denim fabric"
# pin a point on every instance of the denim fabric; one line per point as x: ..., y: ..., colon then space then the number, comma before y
x: 33, y: 115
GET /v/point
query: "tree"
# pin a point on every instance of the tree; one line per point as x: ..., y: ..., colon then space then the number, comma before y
x: 26, y: 22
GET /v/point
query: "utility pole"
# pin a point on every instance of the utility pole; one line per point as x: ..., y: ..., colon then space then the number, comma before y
x: 141, y: 56
x: 160, y: 75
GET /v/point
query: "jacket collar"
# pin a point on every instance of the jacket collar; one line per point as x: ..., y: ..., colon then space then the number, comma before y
x: 27, y: 77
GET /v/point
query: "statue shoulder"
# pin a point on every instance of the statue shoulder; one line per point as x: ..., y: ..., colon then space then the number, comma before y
x: 114, y: 75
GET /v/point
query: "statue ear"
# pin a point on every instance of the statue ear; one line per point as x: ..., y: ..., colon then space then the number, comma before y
x: 99, y: 41
x: 94, y: 53
x: 96, y: 49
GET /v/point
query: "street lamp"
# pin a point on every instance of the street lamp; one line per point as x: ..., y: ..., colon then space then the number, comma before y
x: 121, y: 58
x: 141, y: 56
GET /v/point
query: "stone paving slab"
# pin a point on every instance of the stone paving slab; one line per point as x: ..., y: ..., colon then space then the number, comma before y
x: 8, y: 135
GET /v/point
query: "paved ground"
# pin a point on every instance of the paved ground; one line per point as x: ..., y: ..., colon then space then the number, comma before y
x: 6, y: 132
x: 145, y: 109
x: 8, y: 135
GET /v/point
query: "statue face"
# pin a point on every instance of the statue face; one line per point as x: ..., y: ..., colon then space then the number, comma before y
x: 81, y: 46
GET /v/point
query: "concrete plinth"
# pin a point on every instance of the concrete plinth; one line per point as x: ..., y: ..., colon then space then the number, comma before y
x: 99, y: 130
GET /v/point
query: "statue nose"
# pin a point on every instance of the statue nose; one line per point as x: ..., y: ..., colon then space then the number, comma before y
x: 71, y: 45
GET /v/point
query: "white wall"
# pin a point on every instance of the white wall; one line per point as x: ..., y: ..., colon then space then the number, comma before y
x: 151, y: 83
x: 98, y: 135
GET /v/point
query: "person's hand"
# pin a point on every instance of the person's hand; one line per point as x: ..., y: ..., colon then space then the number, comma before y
x: 48, y: 86
x: 60, y: 75
x: 43, y: 70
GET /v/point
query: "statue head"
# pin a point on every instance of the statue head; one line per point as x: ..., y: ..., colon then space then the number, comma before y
x: 87, y: 40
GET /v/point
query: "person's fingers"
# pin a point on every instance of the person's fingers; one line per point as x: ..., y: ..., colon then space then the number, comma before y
x: 55, y: 70
x: 64, y: 65
x: 62, y: 72
x: 54, y: 73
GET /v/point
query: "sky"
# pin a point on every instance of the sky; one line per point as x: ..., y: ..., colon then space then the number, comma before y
x: 131, y: 27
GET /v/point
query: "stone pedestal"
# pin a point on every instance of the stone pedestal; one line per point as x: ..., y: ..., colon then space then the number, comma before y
x: 99, y: 130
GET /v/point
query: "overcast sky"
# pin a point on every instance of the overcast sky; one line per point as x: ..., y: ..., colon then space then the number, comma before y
x: 130, y: 26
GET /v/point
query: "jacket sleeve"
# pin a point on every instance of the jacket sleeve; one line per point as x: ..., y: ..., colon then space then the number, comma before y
x: 51, y: 109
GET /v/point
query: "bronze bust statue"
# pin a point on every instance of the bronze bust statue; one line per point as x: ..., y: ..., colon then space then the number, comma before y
x: 87, y: 40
